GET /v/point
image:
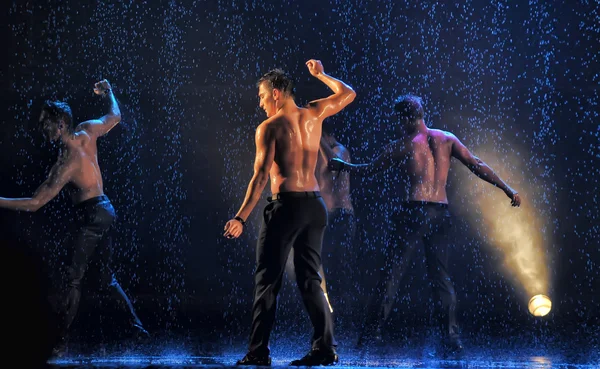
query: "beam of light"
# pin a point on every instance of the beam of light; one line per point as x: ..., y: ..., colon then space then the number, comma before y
x: 516, y: 232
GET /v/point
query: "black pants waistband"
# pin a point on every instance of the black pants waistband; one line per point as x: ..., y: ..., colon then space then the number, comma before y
x: 424, y: 204
x: 92, y: 201
x: 294, y: 195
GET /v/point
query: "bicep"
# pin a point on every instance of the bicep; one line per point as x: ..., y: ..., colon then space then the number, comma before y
x: 94, y: 127
x: 462, y: 153
x: 331, y: 105
x: 98, y: 127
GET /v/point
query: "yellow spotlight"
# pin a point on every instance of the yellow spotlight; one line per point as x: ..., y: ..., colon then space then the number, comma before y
x: 516, y: 233
x: 540, y: 305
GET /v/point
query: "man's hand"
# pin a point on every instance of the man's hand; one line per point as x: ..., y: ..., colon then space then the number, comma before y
x: 336, y: 165
x: 102, y: 87
x: 233, y: 229
x: 514, y: 196
x: 315, y: 67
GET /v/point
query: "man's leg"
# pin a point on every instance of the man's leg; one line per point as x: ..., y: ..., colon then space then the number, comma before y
x: 86, y: 240
x: 327, y: 259
x: 398, y: 256
x: 436, y: 251
x: 277, y: 234
x: 324, y: 287
x: 347, y: 271
x: 338, y: 257
x: 110, y: 283
x: 307, y: 262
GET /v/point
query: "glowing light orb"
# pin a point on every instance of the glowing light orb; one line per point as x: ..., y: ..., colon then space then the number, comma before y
x: 540, y: 305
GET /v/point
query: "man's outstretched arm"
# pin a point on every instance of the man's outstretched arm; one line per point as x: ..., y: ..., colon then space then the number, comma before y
x: 342, y: 93
x: 101, y: 126
x: 265, y: 155
x: 59, y: 176
x: 482, y: 170
x: 384, y: 161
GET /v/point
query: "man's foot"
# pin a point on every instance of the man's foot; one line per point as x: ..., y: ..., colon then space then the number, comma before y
x: 317, y: 357
x: 139, y: 332
x: 252, y: 359
x: 452, y: 347
x: 60, y: 349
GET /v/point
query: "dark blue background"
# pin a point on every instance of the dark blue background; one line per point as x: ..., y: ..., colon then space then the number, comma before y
x: 520, y: 75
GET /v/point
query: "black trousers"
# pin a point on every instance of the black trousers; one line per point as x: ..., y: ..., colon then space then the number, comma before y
x: 414, y: 224
x: 92, y: 241
x: 339, y: 257
x: 291, y: 220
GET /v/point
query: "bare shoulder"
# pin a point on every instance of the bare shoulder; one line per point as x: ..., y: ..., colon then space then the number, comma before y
x: 267, y: 126
x: 82, y: 136
x: 443, y: 136
x: 440, y: 133
x: 268, y: 123
x: 311, y: 109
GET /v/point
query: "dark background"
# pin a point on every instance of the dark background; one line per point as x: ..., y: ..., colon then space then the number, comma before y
x: 520, y: 77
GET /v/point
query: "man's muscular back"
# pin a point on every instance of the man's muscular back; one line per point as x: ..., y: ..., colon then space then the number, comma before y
x: 427, y: 162
x: 296, y: 133
x: 82, y: 158
x: 424, y: 155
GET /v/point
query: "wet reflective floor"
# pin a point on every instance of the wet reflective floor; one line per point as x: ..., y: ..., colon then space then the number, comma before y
x: 380, y: 357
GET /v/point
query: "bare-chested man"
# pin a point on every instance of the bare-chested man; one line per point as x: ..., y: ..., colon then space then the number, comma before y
x: 424, y: 155
x: 287, y: 146
x: 78, y: 165
x: 338, y: 256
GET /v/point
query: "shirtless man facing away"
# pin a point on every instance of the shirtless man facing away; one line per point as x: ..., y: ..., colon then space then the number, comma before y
x: 423, y: 154
x: 287, y: 146
x: 338, y: 256
x: 78, y: 165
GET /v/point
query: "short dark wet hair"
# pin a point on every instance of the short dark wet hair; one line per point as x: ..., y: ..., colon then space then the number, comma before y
x: 55, y: 111
x: 409, y: 106
x: 277, y: 78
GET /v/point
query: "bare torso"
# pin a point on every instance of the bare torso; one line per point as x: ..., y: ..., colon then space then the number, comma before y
x: 335, y: 186
x: 81, y: 155
x: 297, y: 134
x: 425, y: 157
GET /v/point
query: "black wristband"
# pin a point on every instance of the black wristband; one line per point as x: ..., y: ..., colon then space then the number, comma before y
x: 239, y: 219
x: 107, y: 91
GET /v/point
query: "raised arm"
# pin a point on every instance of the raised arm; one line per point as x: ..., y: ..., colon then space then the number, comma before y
x: 342, y: 93
x: 59, y: 176
x: 101, y: 126
x: 386, y: 159
x: 481, y: 169
x: 265, y: 155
